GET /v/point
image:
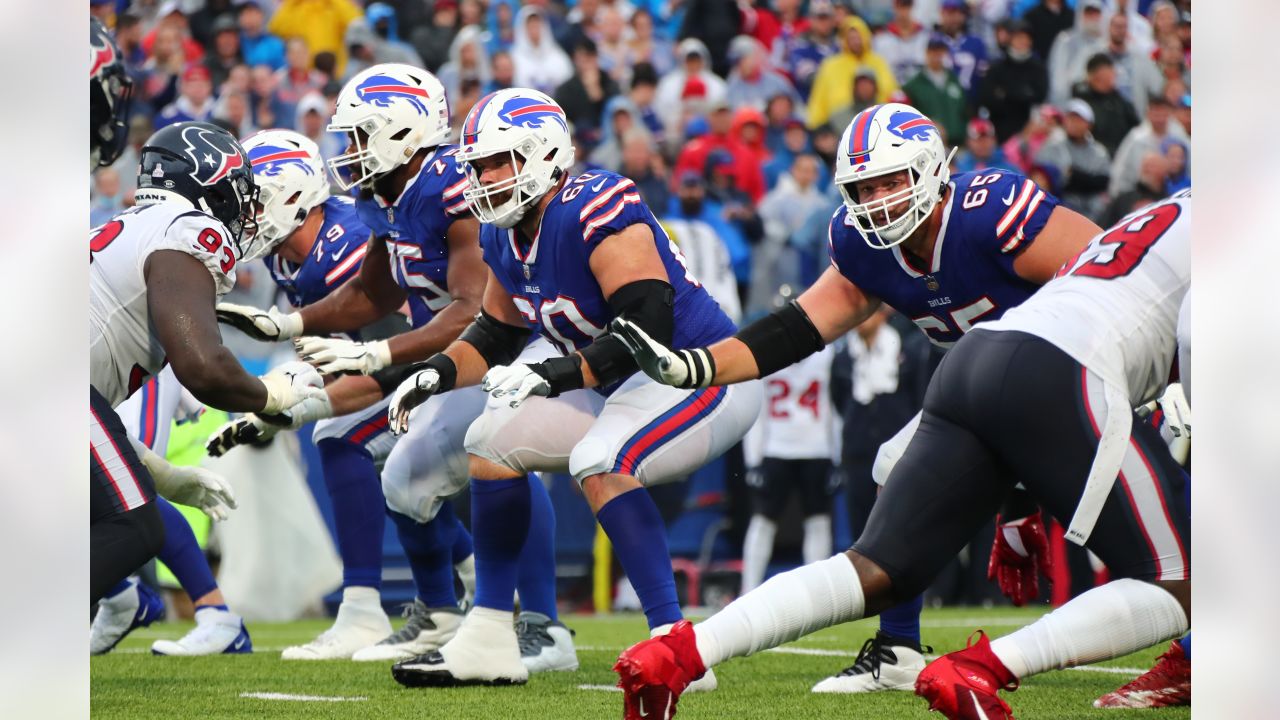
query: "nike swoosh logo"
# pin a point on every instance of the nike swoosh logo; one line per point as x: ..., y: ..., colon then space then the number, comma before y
x: 597, y: 186
x: 642, y: 712
x: 1009, y: 200
x: 146, y: 610
x: 981, y: 714
x: 338, y: 254
x: 239, y: 644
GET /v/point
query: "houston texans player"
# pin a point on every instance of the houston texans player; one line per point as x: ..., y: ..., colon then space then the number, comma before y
x: 156, y: 272
x: 148, y: 415
x: 396, y: 118
x: 945, y: 252
x: 985, y: 428
x: 110, y: 88
x: 323, y: 244
x: 566, y: 255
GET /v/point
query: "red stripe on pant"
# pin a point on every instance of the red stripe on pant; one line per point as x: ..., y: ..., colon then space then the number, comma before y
x: 628, y: 464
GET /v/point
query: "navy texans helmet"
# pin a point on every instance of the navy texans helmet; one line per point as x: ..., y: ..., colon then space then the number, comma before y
x: 203, y: 165
x: 109, y: 90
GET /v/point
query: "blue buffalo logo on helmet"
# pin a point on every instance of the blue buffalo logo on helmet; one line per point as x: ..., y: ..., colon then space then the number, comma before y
x: 520, y: 111
x: 904, y: 124
x: 381, y: 90
x: 215, y: 155
x: 271, y: 160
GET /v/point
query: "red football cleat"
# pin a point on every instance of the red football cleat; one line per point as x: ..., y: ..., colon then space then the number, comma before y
x: 653, y: 673
x: 1166, y: 684
x: 962, y: 685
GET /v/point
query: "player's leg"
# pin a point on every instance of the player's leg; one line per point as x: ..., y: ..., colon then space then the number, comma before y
x: 1140, y: 533
x: 426, y: 467
x: 894, y: 656
x: 946, y: 485
x: 125, y: 529
x: 351, y: 478
x: 769, y: 486
x: 464, y: 563
x: 505, y: 445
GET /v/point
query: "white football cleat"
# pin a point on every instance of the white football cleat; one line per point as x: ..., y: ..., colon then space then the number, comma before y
x: 134, y: 607
x: 361, y: 622
x: 707, y: 682
x: 884, y: 663
x: 425, y: 630
x: 484, y: 652
x: 546, y: 645
x: 216, y: 632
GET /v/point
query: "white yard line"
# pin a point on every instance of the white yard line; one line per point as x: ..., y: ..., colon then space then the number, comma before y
x: 602, y: 688
x: 299, y: 698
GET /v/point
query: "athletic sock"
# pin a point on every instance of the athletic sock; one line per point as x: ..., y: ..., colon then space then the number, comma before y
x: 358, y: 510
x: 500, y: 524
x: 536, y: 580
x: 118, y: 588
x: 1185, y: 642
x: 429, y: 547
x: 817, y: 538
x: 903, y: 621
x: 787, y: 606
x: 639, y: 538
x: 462, y: 545
x: 757, y: 548
x: 1115, y: 619
x: 182, y: 554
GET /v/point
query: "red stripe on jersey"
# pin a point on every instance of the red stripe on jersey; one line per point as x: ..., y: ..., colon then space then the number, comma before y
x: 613, y: 212
x: 1012, y: 213
x: 602, y: 199
x: 341, y: 269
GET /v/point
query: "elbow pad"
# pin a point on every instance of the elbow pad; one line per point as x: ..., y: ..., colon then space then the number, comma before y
x: 647, y: 303
x: 497, y: 342
x: 781, y: 338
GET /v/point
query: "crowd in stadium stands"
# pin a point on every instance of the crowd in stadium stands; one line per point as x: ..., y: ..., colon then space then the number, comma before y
x: 727, y: 114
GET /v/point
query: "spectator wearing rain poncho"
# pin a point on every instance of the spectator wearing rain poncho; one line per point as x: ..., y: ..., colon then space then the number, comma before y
x: 620, y: 115
x: 753, y: 83
x: 467, y: 61
x: 368, y: 48
x: 694, y: 71
x: 540, y: 63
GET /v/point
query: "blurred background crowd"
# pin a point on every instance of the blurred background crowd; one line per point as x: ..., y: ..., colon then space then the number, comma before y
x: 726, y: 113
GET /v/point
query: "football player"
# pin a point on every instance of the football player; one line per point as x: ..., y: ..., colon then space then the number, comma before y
x: 156, y: 272
x: 322, y: 245
x: 148, y: 415
x: 566, y: 255
x: 410, y: 196
x: 984, y: 429
x: 946, y: 252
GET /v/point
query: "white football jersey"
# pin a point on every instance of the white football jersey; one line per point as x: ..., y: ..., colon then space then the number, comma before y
x: 123, y: 349
x: 798, y: 421
x: 1114, y: 307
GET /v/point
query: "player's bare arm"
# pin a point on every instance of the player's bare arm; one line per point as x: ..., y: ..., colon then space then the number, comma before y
x: 1062, y: 238
x: 365, y: 298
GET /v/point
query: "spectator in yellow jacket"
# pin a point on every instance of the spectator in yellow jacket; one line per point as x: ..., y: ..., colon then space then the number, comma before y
x: 322, y: 23
x: 833, y: 83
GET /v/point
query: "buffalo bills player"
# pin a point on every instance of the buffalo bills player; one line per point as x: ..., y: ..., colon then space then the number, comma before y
x: 155, y: 273
x: 946, y: 252
x: 566, y: 255
x: 424, y: 251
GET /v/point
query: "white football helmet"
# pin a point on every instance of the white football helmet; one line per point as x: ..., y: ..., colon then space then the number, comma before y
x: 291, y: 180
x: 528, y: 126
x: 398, y: 110
x: 885, y: 139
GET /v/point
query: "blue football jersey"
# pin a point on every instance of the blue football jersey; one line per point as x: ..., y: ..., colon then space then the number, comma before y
x: 414, y: 227
x: 334, y: 259
x: 551, y: 281
x: 989, y: 218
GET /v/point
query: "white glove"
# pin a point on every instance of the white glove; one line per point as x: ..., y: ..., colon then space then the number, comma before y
x: 253, y: 428
x: 192, y: 486
x: 679, y: 368
x: 266, y: 325
x: 415, y: 390
x: 290, y: 384
x: 516, y: 382
x: 1176, y: 429
x: 332, y: 356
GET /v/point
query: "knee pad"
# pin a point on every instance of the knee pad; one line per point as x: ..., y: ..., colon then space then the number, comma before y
x: 479, y: 438
x: 591, y: 456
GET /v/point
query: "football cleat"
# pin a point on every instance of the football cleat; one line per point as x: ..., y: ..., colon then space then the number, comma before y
x: 216, y: 632
x: 707, y: 682
x: 653, y: 673
x: 425, y: 630
x: 546, y: 645
x: 483, y: 652
x: 962, y: 685
x: 354, y: 629
x: 884, y: 663
x: 1166, y: 684
x: 134, y: 607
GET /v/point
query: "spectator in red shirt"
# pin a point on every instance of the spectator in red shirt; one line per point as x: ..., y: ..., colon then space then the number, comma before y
x: 171, y: 16
x: 746, y: 171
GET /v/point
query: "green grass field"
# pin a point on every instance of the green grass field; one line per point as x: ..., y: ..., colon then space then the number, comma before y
x: 131, y: 683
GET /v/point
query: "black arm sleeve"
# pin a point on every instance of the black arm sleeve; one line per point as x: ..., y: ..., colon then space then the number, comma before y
x: 647, y: 303
x: 781, y: 338
x: 497, y: 342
